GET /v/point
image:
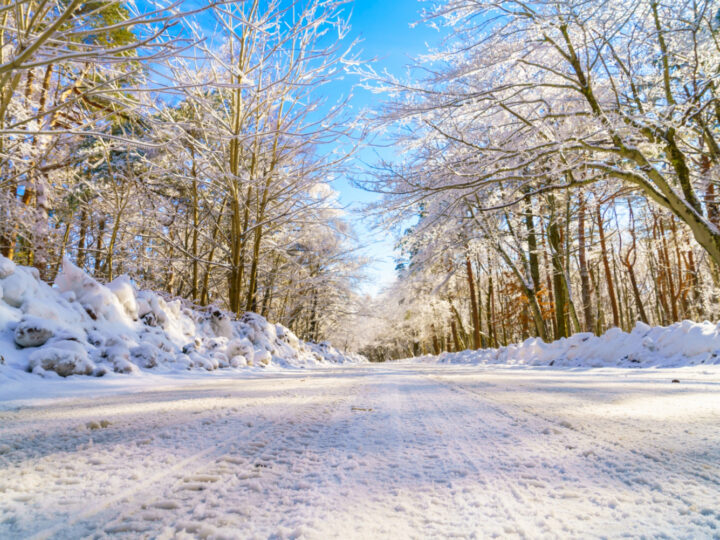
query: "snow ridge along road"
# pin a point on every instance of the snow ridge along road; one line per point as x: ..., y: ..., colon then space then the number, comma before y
x: 388, y: 451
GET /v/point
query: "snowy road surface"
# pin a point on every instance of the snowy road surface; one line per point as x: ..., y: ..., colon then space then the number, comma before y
x: 389, y: 451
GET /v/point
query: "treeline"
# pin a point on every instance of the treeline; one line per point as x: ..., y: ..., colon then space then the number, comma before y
x: 560, y: 173
x: 133, y: 141
x: 600, y: 262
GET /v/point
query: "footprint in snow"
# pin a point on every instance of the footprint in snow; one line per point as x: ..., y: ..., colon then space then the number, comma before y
x: 202, y: 478
x: 97, y: 425
x: 165, y: 505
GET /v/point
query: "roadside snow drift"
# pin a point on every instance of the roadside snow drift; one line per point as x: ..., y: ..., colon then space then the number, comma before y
x: 81, y: 327
x: 685, y: 343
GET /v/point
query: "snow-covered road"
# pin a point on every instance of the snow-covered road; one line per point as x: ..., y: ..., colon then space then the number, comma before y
x: 389, y: 451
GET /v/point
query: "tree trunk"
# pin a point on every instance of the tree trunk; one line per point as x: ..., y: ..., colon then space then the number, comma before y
x: 82, y: 240
x: 195, y: 283
x: 455, y: 337
x: 459, y: 327
x: 205, y: 291
x: 585, y: 289
x: 473, y: 304
x: 558, y: 282
x: 668, y: 272
x: 606, y: 265
x: 251, y: 301
x: 533, y: 258
x: 99, y: 246
x: 61, y: 251
x: 490, y: 311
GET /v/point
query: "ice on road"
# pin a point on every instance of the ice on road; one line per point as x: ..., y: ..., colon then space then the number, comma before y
x: 389, y: 451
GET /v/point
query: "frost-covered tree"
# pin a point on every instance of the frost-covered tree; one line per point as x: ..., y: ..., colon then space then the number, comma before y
x: 69, y: 71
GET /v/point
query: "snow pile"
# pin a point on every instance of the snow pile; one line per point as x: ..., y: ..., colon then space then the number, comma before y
x: 680, y: 344
x: 80, y: 326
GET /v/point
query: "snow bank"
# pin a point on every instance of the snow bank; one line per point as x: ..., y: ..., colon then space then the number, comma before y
x: 680, y: 344
x: 82, y: 327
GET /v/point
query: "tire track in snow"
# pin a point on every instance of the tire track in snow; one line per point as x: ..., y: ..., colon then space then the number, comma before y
x: 455, y: 476
x: 402, y: 485
x: 602, y: 454
x: 195, y: 462
x: 346, y: 475
x: 247, y: 470
x: 340, y: 456
x: 477, y: 449
x: 593, y: 490
x: 67, y: 467
x: 594, y: 436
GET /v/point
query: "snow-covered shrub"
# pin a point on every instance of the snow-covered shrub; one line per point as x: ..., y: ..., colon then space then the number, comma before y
x: 159, y: 340
x: 97, y: 300
x: 205, y: 362
x: 221, y: 324
x: 241, y: 347
x: 121, y: 364
x: 17, y: 287
x: 33, y: 332
x: 7, y: 267
x: 286, y: 336
x: 117, y: 353
x: 145, y: 355
x: 222, y: 360
x: 123, y: 289
x: 215, y: 344
x: 238, y: 361
x: 94, y: 337
x: 63, y: 357
x: 262, y: 358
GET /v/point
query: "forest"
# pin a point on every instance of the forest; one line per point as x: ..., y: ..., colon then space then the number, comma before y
x: 555, y: 172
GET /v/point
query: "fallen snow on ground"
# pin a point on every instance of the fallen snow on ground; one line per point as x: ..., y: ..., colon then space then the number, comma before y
x: 81, y: 327
x: 366, y: 451
x: 686, y: 343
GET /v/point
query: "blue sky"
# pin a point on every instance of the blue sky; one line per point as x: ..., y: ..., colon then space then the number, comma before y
x: 384, y: 26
